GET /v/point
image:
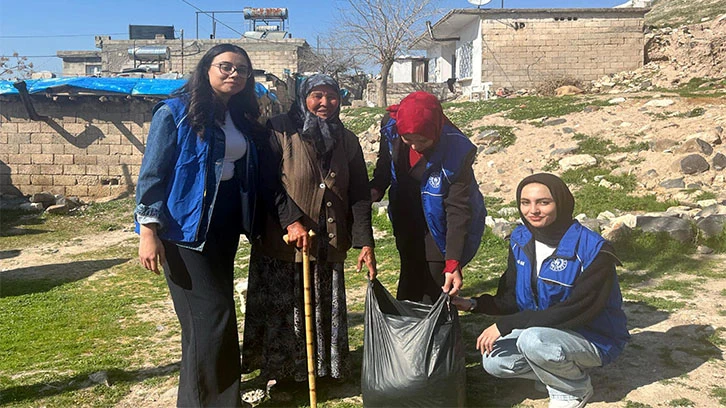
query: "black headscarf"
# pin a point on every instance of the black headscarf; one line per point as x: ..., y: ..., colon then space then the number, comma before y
x: 323, y: 133
x: 565, y: 202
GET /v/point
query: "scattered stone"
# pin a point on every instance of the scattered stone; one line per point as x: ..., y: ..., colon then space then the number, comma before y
x: 662, y: 145
x: 568, y: 130
x: 592, y: 108
x: 677, y: 228
x: 695, y: 145
x: 553, y: 122
x: 579, y: 160
x: 719, y: 161
x: 568, y: 90
x: 712, y: 226
x: 591, y: 224
x: 673, y: 183
x: 100, y: 377
x: 564, y: 151
x: 694, y: 164
x: 616, y: 101
x: 704, y: 250
x: 616, y: 157
x: 58, y: 209
x: 659, y: 103
x: 712, y: 136
x: 707, y: 203
x: 487, y: 137
x: 617, y: 231
x: 47, y: 199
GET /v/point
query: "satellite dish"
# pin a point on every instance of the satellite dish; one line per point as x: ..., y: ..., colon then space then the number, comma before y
x: 478, y: 3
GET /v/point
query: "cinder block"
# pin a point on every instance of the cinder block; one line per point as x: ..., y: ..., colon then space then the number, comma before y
x: 41, y: 158
x: 77, y: 190
x: 74, y: 169
x: 51, y: 169
x: 41, y: 180
x: 63, y: 159
x: 52, y: 149
x: 65, y: 180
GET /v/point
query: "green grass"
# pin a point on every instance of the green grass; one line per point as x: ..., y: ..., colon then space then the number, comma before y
x: 720, y: 393
x: 359, y: 119
x: 681, y: 402
x: 632, y: 404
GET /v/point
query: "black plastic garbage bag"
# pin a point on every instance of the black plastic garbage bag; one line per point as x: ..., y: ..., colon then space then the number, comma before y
x: 412, y: 353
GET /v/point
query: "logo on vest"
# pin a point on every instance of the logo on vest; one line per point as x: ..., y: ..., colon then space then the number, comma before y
x: 520, y: 262
x: 558, y: 265
x: 435, y: 180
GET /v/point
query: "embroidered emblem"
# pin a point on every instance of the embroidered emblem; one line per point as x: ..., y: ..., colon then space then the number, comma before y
x: 520, y: 262
x: 435, y: 180
x: 558, y: 265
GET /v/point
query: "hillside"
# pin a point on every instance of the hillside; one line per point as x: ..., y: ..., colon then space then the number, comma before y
x: 674, y: 13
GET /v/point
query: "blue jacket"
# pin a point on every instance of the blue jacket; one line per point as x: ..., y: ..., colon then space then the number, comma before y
x: 180, y: 175
x: 558, y: 273
x: 443, y: 167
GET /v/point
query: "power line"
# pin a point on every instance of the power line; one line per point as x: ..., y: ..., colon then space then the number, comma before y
x: 56, y: 35
x: 209, y: 15
x: 29, y: 56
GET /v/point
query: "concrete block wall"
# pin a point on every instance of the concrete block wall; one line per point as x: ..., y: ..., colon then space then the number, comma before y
x: 397, y: 91
x: 526, y: 49
x: 272, y: 56
x: 86, y: 148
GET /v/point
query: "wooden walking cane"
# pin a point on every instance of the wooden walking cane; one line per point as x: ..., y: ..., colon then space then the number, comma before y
x: 308, y: 321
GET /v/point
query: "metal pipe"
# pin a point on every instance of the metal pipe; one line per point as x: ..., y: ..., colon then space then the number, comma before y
x: 22, y: 88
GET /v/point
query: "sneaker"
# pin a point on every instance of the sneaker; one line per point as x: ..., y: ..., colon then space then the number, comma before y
x: 572, y: 403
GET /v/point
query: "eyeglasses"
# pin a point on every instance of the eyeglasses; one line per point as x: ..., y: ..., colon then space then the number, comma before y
x: 227, y: 68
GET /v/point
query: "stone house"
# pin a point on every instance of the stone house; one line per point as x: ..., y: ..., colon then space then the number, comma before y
x: 522, y: 48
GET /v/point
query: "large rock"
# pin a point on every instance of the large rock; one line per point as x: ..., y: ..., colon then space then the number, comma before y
x: 673, y: 183
x: 695, y: 145
x: 579, y: 160
x: 659, y: 103
x: 678, y: 228
x: 712, y: 226
x: 719, y: 161
x: 712, y: 136
x: 47, y: 199
x: 694, y: 164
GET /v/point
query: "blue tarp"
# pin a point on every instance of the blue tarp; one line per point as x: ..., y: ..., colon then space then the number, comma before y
x: 125, y: 86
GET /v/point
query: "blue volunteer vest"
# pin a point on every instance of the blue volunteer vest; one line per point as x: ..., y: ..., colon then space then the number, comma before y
x: 193, y: 185
x: 443, y: 166
x: 576, y: 251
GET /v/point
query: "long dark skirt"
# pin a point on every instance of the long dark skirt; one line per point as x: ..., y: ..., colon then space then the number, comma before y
x: 274, y: 329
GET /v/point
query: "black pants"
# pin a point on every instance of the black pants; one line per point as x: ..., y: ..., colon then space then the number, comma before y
x: 420, y: 280
x: 202, y: 288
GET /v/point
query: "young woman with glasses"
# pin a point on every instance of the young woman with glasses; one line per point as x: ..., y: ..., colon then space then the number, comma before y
x: 195, y: 195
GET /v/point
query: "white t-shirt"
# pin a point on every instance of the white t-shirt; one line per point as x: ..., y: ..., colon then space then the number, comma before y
x: 541, y: 252
x: 235, y: 147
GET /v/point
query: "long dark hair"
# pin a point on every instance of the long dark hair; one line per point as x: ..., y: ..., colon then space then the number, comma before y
x: 203, y: 107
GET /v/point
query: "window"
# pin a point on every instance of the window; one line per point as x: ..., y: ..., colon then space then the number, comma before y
x: 464, y: 55
x: 93, y: 69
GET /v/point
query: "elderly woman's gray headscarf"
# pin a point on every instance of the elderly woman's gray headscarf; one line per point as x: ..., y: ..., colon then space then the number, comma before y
x: 324, y: 133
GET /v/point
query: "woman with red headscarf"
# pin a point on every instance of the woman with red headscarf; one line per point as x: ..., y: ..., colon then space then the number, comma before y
x: 435, y: 205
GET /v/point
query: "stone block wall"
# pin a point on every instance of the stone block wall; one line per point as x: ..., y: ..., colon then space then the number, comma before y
x: 273, y: 56
x: 85, y: 148
x: 397, y: 91
x: 525, y: 48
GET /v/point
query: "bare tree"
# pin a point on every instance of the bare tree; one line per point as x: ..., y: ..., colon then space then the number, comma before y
x: 16, y: 67
x: 331, y: 57
x: 382, y: 29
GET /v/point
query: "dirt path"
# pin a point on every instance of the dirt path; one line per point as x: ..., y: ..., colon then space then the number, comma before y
x: 667, y: 360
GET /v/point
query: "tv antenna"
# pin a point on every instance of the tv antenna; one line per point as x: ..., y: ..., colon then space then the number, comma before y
x: 479, y: 3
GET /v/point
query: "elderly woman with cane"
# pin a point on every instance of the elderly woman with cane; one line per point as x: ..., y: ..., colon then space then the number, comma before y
x: 559, y: 299
x: 317, y: 178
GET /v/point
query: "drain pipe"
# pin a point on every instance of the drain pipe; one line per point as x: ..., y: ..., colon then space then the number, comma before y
x: 22, y: 88
x: 431, y: 34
